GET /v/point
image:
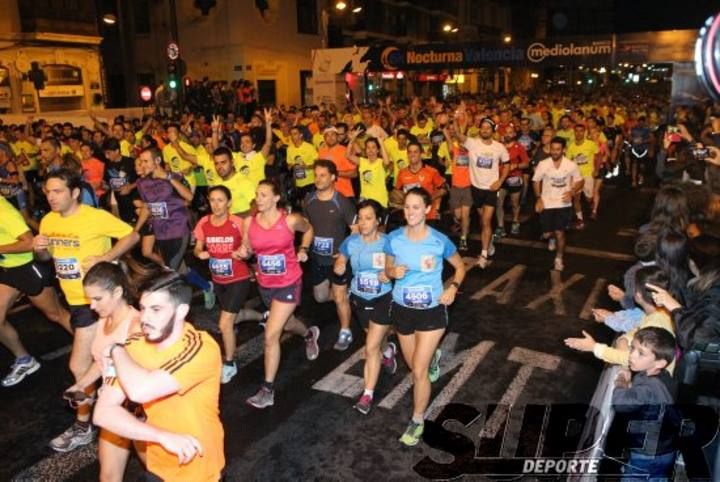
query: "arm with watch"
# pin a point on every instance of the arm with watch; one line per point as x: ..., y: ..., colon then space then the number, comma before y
x: 140, y: 384
x: 450, y: 292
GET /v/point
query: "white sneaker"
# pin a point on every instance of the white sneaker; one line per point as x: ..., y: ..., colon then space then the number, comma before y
x: 483, y: 262
x: 559, y: 264
x: 19, y: 370
x: 228, y: 372
x: 552, y: 244
x: 491, y: 249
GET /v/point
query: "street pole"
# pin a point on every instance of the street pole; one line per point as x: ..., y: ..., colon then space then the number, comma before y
x: 175, y: 37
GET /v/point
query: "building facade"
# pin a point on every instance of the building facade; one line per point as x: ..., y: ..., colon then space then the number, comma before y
x: 62, y: 37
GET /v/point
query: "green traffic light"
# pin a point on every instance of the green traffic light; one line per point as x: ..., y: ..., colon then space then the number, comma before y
x: 173, y: 84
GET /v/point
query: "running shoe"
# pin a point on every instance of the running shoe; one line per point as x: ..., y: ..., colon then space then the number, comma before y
x: 483, y: 262
x: 262, y: 322
x: 434, y: 370
x: 413, y: 434
x: 209, y: 298
x: 228, y: 372
x: 75, y: 436
x: 580, y: 225
x: 263, y: 398
x: 389, y: 363
x: 20, y: 369
x: 312, y: 350
x: 593, y: 216
x: 552, y: 244
x: 344, y: 340
x: 364, y: 404
x: 515, y: 229
x: 462, y: 245
x: 500, y: 232
x: 558, y: 265
x: 491, y: 249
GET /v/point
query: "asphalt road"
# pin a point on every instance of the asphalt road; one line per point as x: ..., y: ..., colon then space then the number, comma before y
x: 503, y: 347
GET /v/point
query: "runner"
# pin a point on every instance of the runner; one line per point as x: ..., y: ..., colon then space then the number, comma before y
x: 301, y: 156
x: 489, y: 167
x: 249, y: 163
x: 218, y: 240
x: 370, y: 294
x: 582, y: 152
x: 111, y: 296
x: 419, y: 175
x: 174, y: 372
x: 270, y: 235
x: 331, y: 215
x: 519, y: 162
x: 555, y: 182
x: 373, y: 169
x: 19, y: 274
x: 460, y: 193
x: 419, y: 307
x: 346, y: 170
x: 240, y: 187
x: 76, y: 237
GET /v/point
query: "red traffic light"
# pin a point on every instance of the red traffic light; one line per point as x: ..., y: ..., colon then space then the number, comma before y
x: 146, y: 93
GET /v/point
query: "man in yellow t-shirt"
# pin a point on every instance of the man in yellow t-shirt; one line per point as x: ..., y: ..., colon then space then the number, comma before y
x: 250, y: 163
x: 173, y: 370
x: 422, y: 130
x: 301, y: 156
x: 21, y: 274
x: 180, y: 156
x: 241, y: 188
x: 76, y: 237
x: 582, y: 151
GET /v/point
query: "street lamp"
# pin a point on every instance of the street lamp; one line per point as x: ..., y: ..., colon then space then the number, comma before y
x: 340, y: 5
x: 109, y: 19
x: 507, y: 39
x: 357, y: 10
x: 447, y: 27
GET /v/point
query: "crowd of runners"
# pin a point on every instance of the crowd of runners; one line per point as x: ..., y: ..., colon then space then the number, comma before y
x: 109, y: 228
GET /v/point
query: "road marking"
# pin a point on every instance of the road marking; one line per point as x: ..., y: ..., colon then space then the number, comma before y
x: 591, y: 301
x: 555, y: 293
x: 595, y: 253
x: 469, y: 364
x: 59, y: 466
x: 510, y: 278
x: 530, y: 360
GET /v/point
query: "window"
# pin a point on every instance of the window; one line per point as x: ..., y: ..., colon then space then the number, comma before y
x: 307, y: 20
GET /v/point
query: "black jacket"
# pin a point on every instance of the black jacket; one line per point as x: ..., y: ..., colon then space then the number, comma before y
x: 699, y: 322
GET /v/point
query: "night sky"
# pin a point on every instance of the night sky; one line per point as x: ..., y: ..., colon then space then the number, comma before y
x: 644, y: 15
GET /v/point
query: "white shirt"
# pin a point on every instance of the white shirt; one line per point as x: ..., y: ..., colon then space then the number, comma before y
x: 556, y: 181
x: 485, y: 160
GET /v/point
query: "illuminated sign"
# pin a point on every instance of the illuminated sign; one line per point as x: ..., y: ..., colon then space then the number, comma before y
x: 62, y: 91
x: 537, y: 52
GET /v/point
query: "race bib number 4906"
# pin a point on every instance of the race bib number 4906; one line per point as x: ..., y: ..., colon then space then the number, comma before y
x: 417, y: 296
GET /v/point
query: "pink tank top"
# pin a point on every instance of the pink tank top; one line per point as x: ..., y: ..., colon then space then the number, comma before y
x: 277, y: 263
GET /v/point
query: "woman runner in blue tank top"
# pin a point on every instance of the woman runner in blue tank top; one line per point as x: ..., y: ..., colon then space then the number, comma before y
x: 419, y: 306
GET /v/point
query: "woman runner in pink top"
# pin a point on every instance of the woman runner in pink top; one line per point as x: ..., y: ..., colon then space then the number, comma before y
x: 108, y: 289
x: 270, y: 235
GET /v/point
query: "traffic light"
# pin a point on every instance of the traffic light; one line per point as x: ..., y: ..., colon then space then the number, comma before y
x: 205, y: 5
x: 37, y: 76
x: 172, y: 70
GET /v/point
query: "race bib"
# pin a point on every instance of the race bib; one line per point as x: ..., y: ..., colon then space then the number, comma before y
x: 484, y: 162
x: 462, y: 160
x: 299, y: 171
x: 558, y: 182
x: 67, y: 268
x: 158, y: 210
x: 580, y: 159
x: 272, y: 264
x: 323, y: 246
x: 368, y: 282
x: 427, y: 263
x: 417, y: 296
x: 378, y: 260
x: 117, y: 182
x: 514, y: 181
x: 221, y: 267
x: 407, y: 187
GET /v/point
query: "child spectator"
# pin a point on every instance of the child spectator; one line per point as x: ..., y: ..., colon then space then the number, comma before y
x: 648, y: 395
x: 654, y: 316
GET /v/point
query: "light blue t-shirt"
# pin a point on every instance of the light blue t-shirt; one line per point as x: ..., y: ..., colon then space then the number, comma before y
x: 421, y: 286
x: 367, y: 261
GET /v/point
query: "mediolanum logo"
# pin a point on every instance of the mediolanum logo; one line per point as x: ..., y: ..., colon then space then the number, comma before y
x: 537, y: 52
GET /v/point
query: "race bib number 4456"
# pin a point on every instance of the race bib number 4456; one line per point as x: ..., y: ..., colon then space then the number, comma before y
x: 272, y: 264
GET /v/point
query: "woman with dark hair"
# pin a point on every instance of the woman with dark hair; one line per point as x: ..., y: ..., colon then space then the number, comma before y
x: 419, y: 307
x: 111, y: 294
x: 671, y: 255
x: 270, y: 235
x: 669, y: 210
x: 370, y: 295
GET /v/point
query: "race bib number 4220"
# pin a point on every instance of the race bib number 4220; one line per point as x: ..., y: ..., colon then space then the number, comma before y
x: 67, y: 268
